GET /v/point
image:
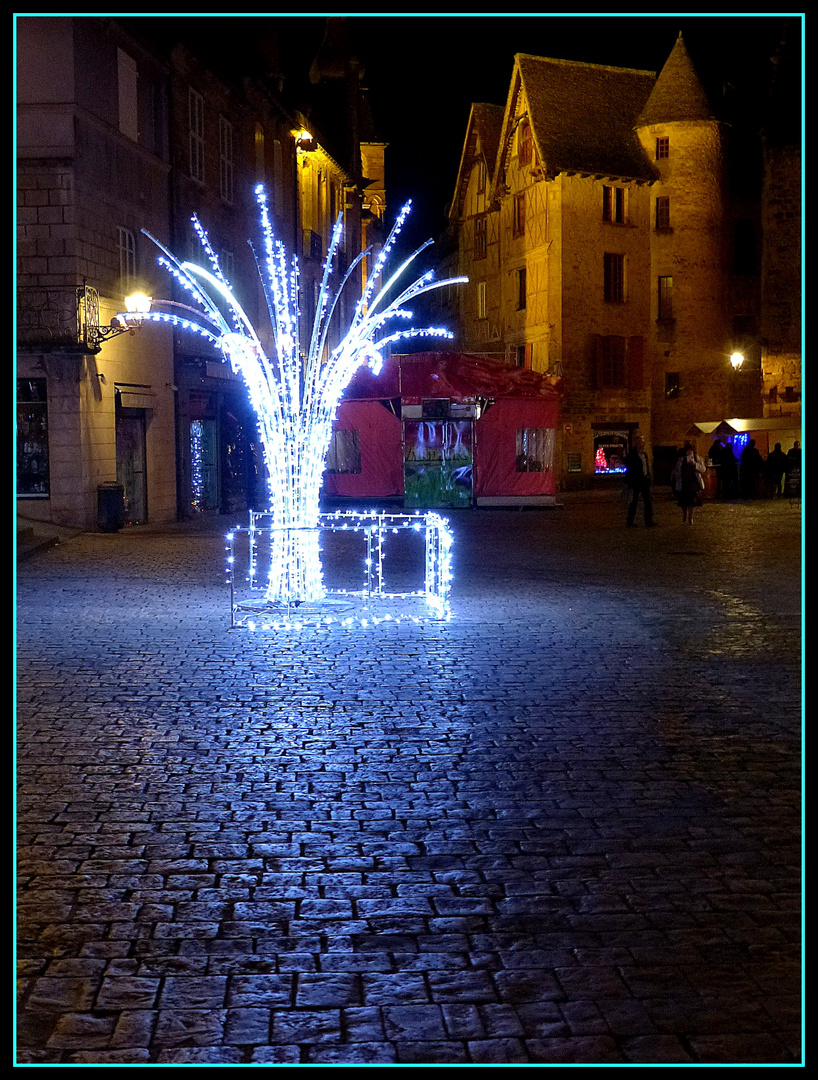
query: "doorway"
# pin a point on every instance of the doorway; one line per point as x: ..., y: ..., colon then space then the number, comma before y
x: 204, y: 467
x: 130, y: 463
x: 438, y: 459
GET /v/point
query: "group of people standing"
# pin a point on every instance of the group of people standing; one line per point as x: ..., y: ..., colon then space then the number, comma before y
x: 751, y: 475
x: 735, y: 477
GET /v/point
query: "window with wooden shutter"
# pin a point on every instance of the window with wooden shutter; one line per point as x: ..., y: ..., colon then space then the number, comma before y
x: 636, y: 363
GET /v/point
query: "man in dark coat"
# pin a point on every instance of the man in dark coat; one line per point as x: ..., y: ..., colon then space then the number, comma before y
x: 638, y: 479
x: 752, y: 465
x: 776, y: 467
x: 793, y: 482
x: 728, y: 467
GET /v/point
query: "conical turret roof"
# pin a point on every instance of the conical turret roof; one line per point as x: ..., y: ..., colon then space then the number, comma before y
x: 678, y: 93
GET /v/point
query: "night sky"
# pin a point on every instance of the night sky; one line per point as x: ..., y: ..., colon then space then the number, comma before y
x: 424, y: 71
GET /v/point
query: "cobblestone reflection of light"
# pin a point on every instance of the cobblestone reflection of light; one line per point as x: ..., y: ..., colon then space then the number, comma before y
x: 296, y: 390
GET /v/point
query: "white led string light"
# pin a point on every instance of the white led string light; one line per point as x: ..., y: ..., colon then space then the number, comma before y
x: 374, y: 604
x: 295, y: 395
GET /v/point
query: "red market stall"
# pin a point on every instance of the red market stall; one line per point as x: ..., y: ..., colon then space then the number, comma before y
x: 446, y: 430
x: 364, y: 459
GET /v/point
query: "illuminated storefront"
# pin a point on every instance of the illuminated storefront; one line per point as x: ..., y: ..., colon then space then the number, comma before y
x: 611, y: 446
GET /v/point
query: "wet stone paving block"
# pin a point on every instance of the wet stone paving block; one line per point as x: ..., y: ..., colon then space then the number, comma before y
x: 560, y: 828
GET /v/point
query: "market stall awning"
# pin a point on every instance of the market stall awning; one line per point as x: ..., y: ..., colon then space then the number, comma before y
x: 704, y: 428
x: 736, y: 426
x: 414, y: 376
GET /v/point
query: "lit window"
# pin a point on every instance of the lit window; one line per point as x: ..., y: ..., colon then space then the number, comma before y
x: 613, y: 204
x: 535, y: 449
x: 665, y: 297
x: 663, y: 212
x: 610, y: 450
x: 614, y: 277
x: 195, y: 103
x: 344, y: 454
x: 225, y: 159
x: 663, y: 147
x: 258, y: 146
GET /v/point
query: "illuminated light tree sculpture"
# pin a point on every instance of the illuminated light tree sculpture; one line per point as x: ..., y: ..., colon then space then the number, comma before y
x: 295, y: 392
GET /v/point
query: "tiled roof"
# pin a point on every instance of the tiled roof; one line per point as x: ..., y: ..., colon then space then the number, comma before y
x: 678, y: 93
x: 583, y: 115
x: 488, y: 122
x: 485, y: 125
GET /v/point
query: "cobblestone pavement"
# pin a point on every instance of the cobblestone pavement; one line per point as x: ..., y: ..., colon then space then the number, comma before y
x: 561, y: 828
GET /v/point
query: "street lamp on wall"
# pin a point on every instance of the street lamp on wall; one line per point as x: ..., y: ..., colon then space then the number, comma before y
x: 304, y: 140
x: 90, y: 333
x: 736, y: 360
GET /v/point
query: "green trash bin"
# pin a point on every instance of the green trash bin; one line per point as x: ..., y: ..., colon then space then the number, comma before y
x: 110, y: 507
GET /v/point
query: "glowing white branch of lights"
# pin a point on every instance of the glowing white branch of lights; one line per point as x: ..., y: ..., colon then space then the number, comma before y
x: 295, y: 392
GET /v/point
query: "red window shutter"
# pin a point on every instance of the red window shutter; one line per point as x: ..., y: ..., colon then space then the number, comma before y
x: 596, y: 361
x: 636, y: 363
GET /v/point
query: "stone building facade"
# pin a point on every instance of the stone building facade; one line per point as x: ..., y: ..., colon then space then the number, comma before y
x: 594, y: 220
x: 228, y: 133
x: 780, y: 309
x: 92, y: 171
x: 128, y: 127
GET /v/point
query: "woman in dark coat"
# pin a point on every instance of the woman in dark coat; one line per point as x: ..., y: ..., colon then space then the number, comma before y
x: 688, y: 482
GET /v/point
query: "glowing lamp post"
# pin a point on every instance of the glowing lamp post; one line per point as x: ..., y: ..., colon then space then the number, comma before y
x: 295, y: 392
x: 138, y: 304
x: 90, y: 332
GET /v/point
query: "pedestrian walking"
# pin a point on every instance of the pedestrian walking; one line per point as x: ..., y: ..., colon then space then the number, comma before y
x: 688, y: 481
x: 639, y: 481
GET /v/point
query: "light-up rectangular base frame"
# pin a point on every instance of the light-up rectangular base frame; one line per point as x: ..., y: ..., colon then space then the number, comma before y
x: 371, y: 604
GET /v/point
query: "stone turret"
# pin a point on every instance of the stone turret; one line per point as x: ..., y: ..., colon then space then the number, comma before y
x: 685, y: 142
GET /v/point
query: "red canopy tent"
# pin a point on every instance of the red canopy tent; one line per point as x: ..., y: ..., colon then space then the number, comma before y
x: 501, y: 420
